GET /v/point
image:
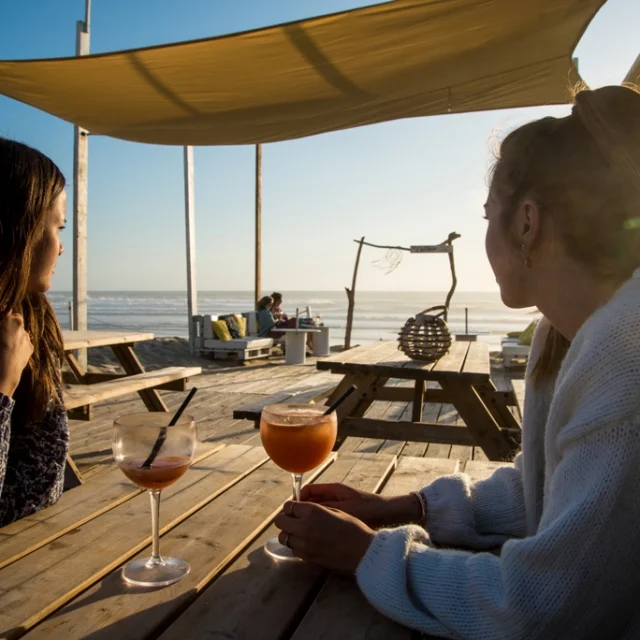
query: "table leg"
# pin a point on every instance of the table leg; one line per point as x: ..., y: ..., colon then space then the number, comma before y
x: 341, y: 387
x: 479, y: 420
x: 496, y: 402
x: 75, y: 367
x: 418, y: 400
x: 130, y: 363
x: 295, y: 344
x: 72, y: 476
x: 79, y: 413
x: 356, y: 405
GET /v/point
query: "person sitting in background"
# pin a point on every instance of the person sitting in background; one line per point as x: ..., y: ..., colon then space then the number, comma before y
x: 266, y: 319
x: 563, y: 235
x: 269, y: 327
x: 278, y: 314
x: 34, y: 434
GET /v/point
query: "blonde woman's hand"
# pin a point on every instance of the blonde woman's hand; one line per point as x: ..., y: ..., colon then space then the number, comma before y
x: 15, y: 352
x: 371, y: 508
x: 324, y: 537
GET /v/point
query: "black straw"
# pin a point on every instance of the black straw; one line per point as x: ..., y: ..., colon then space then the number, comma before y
x: 340, y: 400
x: 163, y: 432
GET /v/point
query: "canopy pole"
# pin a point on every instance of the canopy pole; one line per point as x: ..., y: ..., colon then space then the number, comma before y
x: 80, y: 197
x: 190, y: 224
x: 258, y: 238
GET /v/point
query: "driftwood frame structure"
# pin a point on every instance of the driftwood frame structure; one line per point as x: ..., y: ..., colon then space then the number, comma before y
x: 444, y: 247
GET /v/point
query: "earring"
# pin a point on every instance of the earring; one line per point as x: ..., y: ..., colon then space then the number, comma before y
x: 527, y: 259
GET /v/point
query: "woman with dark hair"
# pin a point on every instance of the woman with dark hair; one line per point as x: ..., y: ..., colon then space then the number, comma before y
x: 33, y: 423
x: 266, y: 321
x: 563, y: 235
x: 272, y: 320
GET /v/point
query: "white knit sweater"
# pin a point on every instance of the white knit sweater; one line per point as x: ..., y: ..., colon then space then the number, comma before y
x: 568, y: 512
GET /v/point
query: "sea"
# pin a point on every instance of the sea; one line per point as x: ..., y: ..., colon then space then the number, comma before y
x: 378, y: 315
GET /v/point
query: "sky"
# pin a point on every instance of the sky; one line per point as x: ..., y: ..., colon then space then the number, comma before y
x: 405, y: 182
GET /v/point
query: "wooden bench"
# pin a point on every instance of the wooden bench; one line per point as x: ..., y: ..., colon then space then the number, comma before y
x: 315, y: 388
x: 78, y: 398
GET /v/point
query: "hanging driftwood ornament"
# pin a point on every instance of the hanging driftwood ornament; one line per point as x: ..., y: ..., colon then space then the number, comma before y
x: 389, y: 263
x: 426, y: 337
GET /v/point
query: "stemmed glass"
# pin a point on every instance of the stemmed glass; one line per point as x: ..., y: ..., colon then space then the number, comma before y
x: 135, y: 436
x: 298, y: 438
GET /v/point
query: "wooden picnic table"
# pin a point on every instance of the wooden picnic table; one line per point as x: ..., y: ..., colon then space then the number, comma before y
x: 94, y: 387
x: 462, y: 378
x: 86, y: 339
x: 60, y: 569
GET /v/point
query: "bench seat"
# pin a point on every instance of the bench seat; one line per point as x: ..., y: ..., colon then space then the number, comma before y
x: 316, y: 388
x: 81, y: 395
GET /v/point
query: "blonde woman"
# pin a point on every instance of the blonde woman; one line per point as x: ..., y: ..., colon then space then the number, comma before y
x: 563, y: 235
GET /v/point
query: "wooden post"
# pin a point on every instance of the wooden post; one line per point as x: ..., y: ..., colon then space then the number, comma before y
x: 80, y: 196
x: 190, y: 222
x: 71, y: 315
x: 351, y: 296
x: 454, y: 280
x: 258, y: 238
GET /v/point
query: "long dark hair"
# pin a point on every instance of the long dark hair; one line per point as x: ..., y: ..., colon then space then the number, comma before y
x: 29, y: 184
x: 264, y: 302
x: 584, y: 172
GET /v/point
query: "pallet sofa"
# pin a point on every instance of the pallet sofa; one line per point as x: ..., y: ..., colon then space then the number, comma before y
x: 250, y: 347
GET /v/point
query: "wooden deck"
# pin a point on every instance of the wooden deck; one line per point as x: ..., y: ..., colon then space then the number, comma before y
x: 223, y: 390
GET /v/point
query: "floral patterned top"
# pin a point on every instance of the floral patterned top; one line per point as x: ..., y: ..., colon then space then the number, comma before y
x: 32, y: 460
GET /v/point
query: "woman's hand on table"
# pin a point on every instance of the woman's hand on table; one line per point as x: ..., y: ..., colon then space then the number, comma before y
x: 323, y: 536
x: 372, y: 509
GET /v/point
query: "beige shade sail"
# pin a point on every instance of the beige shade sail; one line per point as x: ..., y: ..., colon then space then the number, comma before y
x: 633, y: 75
x: 400, y: 59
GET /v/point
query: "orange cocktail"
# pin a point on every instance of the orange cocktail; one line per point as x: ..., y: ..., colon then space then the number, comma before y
x: 298, y: 438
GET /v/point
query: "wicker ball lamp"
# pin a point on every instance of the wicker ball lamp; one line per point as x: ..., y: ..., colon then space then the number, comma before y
x: 426, y: 337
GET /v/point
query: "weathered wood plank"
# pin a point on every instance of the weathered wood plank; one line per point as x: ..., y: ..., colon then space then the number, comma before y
x: 38, y: 584
x: 412, y: 474
x: 480, y: 469
x: 418, y: 449
x: 310, y: 390
x: 398, y: 366
x: 209, y: 540
x: 356, y: 363
x: 478, y: 360
x: 497, y: 402
x: 340, y: 610
x: 362, y: 352
x: 79, y: 395
x: 376, y: 410
x: 74, y: 340
x: 453, y: 361
x: 74, y: 509
x: 518, y: 391
x: 227, y: 609
x: 418, y: 400
x: 480, y: 423
x: 418, y: 432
